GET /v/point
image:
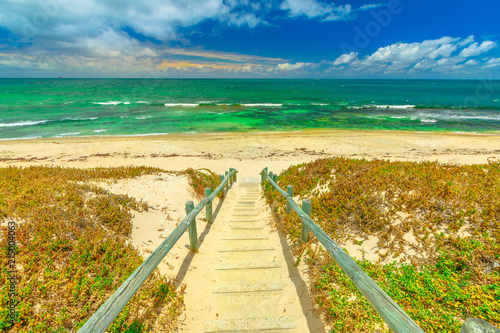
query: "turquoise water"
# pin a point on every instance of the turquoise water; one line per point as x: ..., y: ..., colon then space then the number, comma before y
x: 31, y: 108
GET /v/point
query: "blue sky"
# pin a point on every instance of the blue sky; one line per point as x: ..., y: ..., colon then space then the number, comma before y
x: 255, y: 39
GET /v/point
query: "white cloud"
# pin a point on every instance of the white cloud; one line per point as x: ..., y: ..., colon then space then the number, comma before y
x: 92, y: 31
x: 409, y: 53
x: 340, y: 13
x: 467, y: 41
x: 324, y: 11
x: 51, y: 19
x: 309, y: 8
x: 444, y: 50
x: 290, y: 67
x: 476, y: 49
x: 246, y: 19
x: 314, y: 9
x: 444, y: 55
x: 371, y: 6
x: 346, y: 58
x: 493, y: 62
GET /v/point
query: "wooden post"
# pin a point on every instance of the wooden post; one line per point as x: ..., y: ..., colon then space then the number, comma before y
x: 193, y: 234
x: 234, y: 175
x: 304, y: 231
x: 227, y: 182
x: 271, y: 175
x: 275, y: 178
x: 262, y: 176
x: 221, y: 177
x: 210, y: 219
x: 289, y: 190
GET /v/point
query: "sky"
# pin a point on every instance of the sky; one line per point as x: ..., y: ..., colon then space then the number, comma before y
x: 404, y: 39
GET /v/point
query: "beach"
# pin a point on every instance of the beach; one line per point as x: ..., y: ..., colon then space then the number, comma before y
x: 249, y: 153
x: 236, y: 166
x: 166, y: 193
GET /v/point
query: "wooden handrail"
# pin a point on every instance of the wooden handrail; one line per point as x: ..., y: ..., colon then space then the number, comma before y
x: 393, y: 315
x: 107, y: 313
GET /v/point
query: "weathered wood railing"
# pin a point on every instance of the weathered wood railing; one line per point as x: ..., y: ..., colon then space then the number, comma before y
x: 393, y: 315
x: 105, y: 315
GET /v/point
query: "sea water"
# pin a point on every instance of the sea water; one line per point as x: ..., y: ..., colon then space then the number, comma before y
x: 44, y: 108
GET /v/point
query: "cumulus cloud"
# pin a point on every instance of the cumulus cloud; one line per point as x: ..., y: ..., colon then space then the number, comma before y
x: 133, y: 36
x: 63, y: 19
x: 444, y: 55
x: 290, y: 67
x: 476, y: 49
x: 116, y: 33
x: 345, y: 58
x: 493, y: 63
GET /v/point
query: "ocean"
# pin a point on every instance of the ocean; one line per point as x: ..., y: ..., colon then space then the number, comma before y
x: 48, y: 108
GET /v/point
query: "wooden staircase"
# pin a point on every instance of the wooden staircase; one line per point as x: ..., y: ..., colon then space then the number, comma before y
x: 251, y: 275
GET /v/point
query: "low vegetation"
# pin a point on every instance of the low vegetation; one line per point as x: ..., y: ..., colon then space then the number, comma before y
x: 438, y: 235
x: 201, y: 179
x: 73, y: 252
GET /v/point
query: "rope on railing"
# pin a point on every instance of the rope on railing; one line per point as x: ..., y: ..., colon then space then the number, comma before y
x: 393, y: 315
x: 107, y: 313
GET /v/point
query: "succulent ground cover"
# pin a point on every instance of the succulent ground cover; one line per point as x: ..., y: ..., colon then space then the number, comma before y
x: 437, y: 227
x: 73, y: 250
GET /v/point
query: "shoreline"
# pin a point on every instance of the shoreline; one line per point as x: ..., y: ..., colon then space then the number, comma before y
x: 185, y: 135
x: 248, y: 152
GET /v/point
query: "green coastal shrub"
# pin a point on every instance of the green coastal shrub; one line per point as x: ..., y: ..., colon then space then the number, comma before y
x: 72, y: 252
x: 450, y: 271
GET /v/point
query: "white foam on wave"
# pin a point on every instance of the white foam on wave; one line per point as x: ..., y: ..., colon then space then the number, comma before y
x: 479, y: 117
x: 24, y: 123
x: 24, y: 138
x: 100, y: 130
x: 428, y: 120
x: 322, y: 104
x: 142, y: 102
x: 383, y: 106
x: 263, y: 104
x: 68, y: 134
x: 182, y: 104
x: 126, y: 103
x: 108, y: 103
x: 91, y: 118
x: 143, y: 117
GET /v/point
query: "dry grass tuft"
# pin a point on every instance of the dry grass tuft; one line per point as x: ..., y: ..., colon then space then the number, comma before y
x: 202, y: 178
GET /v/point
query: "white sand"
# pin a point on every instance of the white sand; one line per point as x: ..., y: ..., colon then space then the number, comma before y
x: 249, y: 153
